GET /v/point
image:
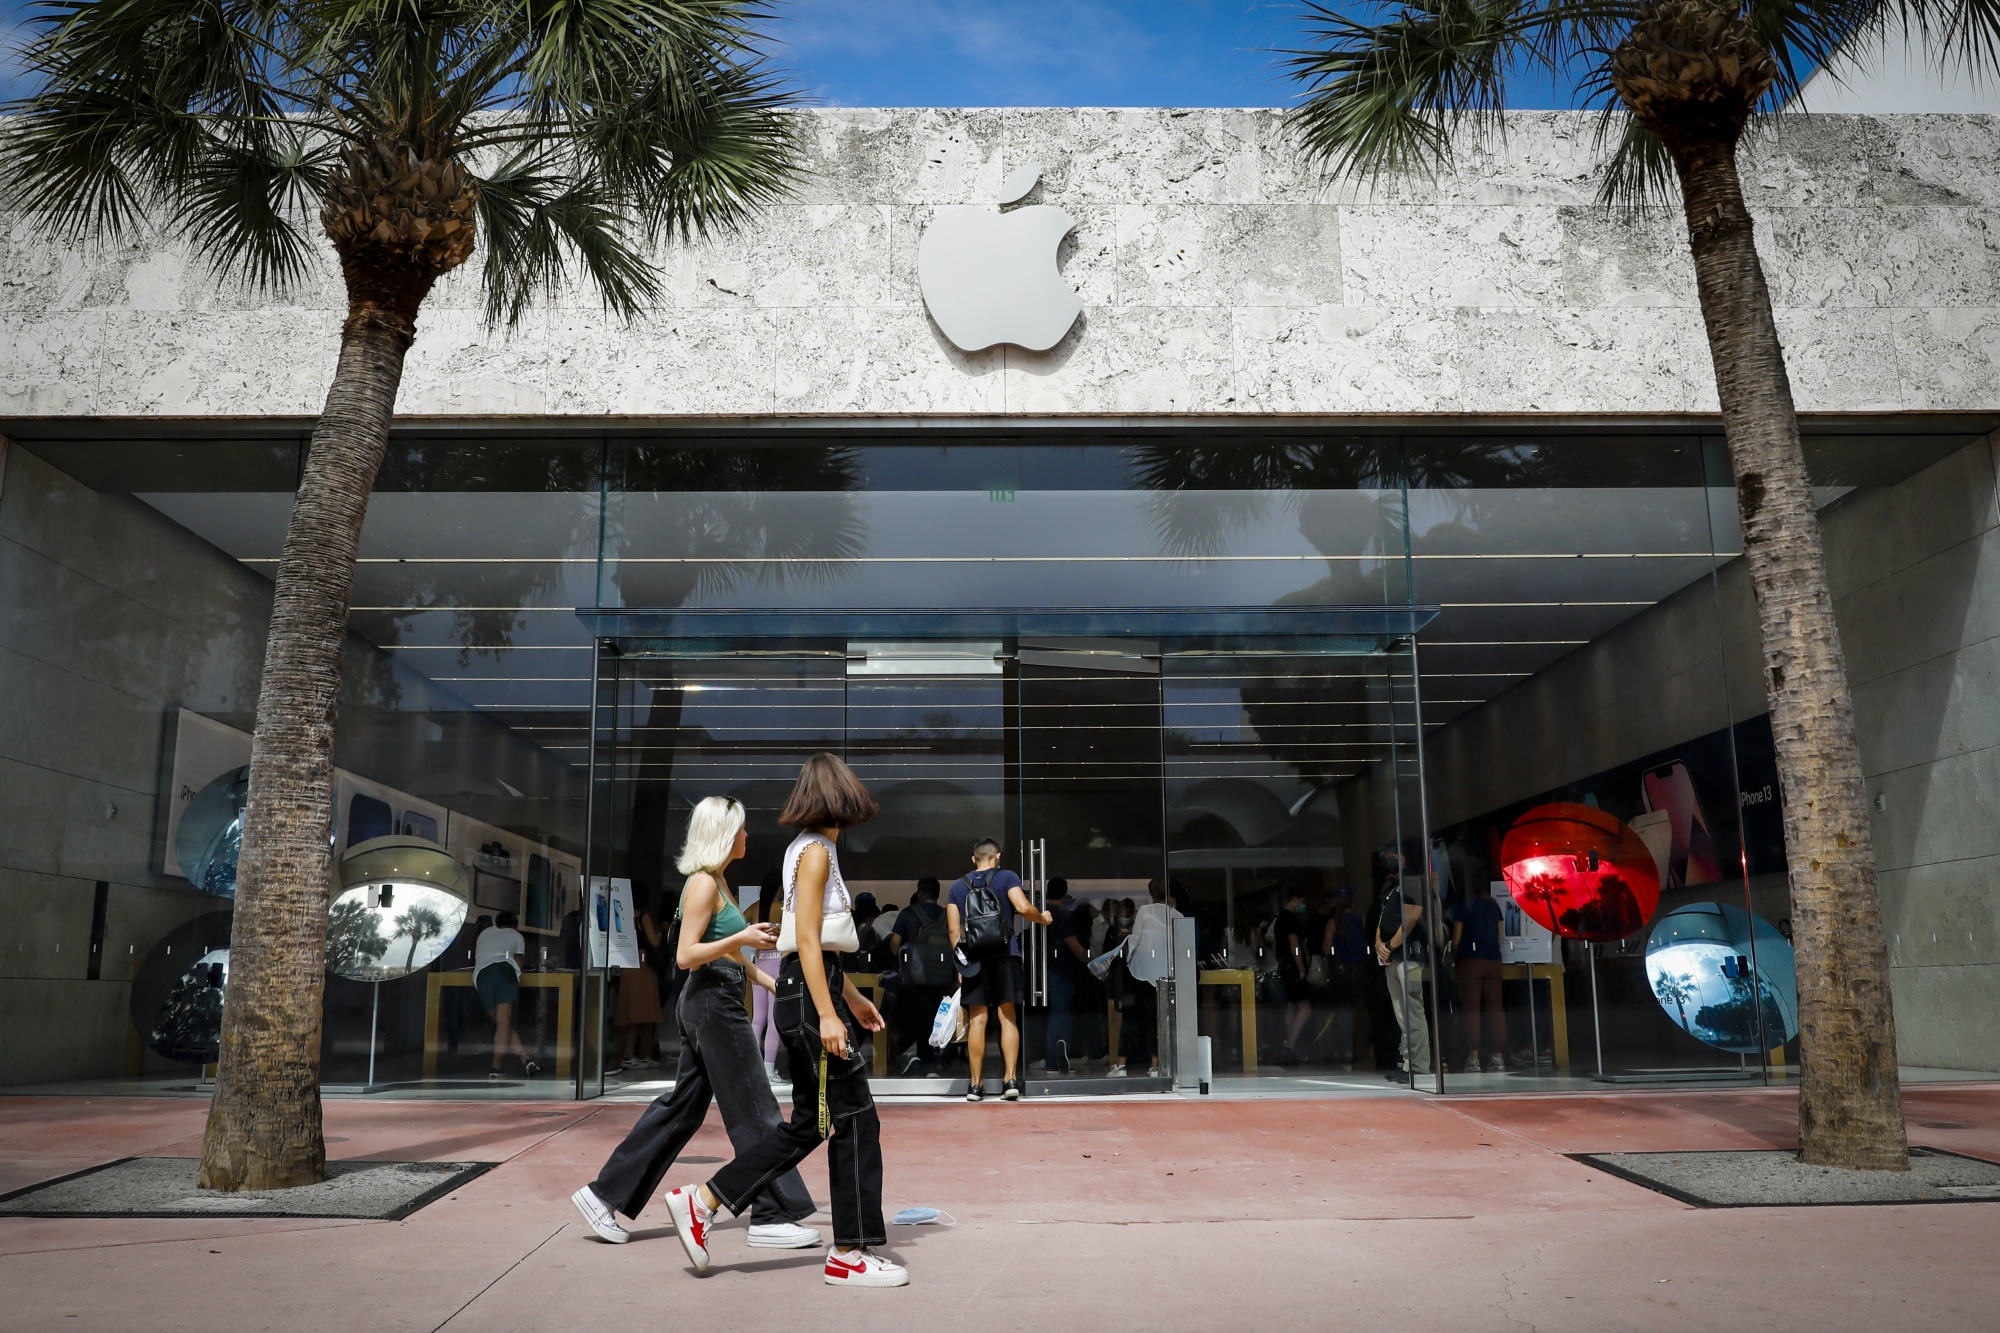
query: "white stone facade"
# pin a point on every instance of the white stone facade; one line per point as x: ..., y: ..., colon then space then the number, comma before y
x: 1218, y: 276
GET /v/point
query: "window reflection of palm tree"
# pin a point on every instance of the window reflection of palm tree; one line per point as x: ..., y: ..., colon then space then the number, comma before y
x: 740, y: 519
x: 1206, y: 496
x: 420, y: 924
x: 352, y: 939
x: 773, y: 517
x: 1676, y: 989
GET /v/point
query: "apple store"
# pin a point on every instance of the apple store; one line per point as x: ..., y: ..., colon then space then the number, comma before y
x: 1093, y: 482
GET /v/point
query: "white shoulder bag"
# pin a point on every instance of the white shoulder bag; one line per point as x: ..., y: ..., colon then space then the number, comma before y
x: 836, y: 932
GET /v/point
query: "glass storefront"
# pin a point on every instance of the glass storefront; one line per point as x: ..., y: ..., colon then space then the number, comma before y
x: 1269, y: 674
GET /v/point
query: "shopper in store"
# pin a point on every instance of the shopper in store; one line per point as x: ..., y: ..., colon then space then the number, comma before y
x: 921, y: 941
x: 1475, y: 943
x: 1289, y: 938
x: 1089, y: 1005
x: 984, y: 908
x: 496, y: 975
x: 769, y: 911
x: 820, y: 1015
x: 719, y: 1060
x: 637, y: 1008
x: 1402, y: 948
x: 1067, y: 966
x: 1345, y: 944
x: 1149, y: 955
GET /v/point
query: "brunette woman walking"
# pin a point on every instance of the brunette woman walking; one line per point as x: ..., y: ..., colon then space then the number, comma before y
x: 719, y: 1058
x: 819, y: 1012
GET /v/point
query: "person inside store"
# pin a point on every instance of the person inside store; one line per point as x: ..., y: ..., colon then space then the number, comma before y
x: 763, y: 1020
x: 1475, y: 942
x: 720, y: 1058
x: 1149, y: 952
x: 984, y: 909
x: 821, y: 1015
x: 1401, y: 947
x: 1289, y: 939
x: 496, y: 975
x: 920, y: 938
x: 1345, y: 944
x: 1089, y: 1003
x: 453, y: 1003
x: 1068, y: 962
x: 637, y: 1011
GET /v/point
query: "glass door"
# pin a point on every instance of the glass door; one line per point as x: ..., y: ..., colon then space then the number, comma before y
x: 1092, y: 817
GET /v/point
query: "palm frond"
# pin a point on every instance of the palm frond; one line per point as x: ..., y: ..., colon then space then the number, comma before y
x: 247, y: 207
x: 615, y: 124
x: 1639, y: 176
x: 543, y: 227
x: 1390, y: 96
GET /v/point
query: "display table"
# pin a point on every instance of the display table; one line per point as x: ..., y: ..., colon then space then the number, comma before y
x: 1245, y: 981
x: 562, y: 983
x: 1558, y: 1006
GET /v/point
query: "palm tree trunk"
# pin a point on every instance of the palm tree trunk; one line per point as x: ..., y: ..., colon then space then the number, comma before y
x: 1850, y: 1107
x: 264, y: 1124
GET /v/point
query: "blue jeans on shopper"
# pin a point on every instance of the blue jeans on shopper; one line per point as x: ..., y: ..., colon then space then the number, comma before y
x: 1062, y: 1017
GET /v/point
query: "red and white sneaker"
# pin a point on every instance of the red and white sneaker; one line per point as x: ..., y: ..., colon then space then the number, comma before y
x: 864, y: 1268
x: 690, y: 1223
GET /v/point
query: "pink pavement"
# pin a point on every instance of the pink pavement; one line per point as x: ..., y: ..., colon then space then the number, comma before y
x: 1372, y: 1213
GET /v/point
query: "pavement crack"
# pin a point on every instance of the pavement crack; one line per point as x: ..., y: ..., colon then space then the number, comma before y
x: 503, y: 1273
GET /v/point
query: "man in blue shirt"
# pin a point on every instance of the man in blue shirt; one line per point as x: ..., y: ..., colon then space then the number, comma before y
x: 1475, y: 937
x: 990, y: 975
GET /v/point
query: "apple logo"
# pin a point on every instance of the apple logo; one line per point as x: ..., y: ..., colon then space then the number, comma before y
x: 990, y: 277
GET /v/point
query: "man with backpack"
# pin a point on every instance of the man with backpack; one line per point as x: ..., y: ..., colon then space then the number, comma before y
x: 920, y: 942
x: 982, y: 910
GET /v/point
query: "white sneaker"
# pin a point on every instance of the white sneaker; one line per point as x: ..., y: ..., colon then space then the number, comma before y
x: 783, y: 1236
x: 864, y: 1268
x: 600, y: 1217
x: 1116, y: 1071
x: 690, y: 1223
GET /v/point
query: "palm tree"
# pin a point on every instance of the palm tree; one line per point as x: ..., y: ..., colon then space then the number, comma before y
x: 1680, y: 81
x: 569, y: 138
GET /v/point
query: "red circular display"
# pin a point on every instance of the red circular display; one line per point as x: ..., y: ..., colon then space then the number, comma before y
x: 1580, y: 872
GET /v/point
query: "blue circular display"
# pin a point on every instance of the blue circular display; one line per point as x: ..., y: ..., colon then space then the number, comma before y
x: 1699, y: 964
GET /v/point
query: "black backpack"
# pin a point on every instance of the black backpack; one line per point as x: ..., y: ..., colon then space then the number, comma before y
x: 980, y: 923
x: 927, y: 960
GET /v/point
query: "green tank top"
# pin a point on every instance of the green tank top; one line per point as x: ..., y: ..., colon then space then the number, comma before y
x: 727, y: 921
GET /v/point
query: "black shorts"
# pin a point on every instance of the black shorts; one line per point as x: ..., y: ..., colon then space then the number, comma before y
x: 999, y: 981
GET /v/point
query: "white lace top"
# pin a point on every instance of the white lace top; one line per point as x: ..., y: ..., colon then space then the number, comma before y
x: 837, y: 899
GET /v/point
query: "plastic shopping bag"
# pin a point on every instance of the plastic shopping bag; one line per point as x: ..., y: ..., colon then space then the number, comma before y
x: 1100, y: 966
x: 944, y: 1028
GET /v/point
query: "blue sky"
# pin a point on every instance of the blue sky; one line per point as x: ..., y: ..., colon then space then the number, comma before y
x: 1031, y: 52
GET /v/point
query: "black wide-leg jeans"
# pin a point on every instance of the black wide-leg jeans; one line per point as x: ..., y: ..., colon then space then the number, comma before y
x: 854, y: 1134
x: 720, y: 1061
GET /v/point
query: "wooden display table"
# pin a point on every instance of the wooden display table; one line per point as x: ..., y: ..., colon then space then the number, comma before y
x: 1558, y: 1007
x: 562, y: 983
x: 1245, y: 981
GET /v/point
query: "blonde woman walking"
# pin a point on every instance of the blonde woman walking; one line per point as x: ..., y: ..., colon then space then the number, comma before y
x: 820, y: 1014
x: 720, y: 1060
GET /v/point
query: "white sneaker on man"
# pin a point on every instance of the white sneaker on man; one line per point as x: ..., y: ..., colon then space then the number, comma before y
x: 783, y: 1236
x: 691, y: 1223
x: 599, y: 1215
x: 864, y: 1268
